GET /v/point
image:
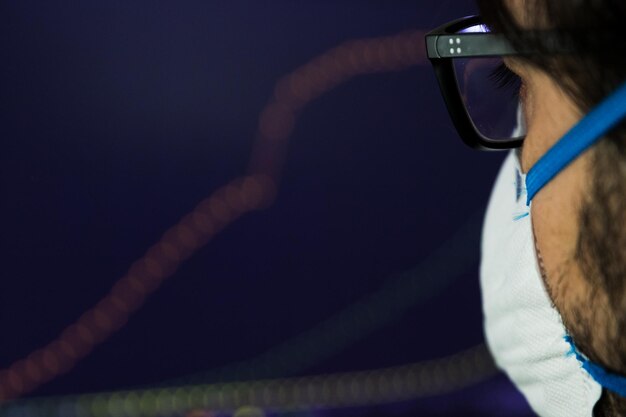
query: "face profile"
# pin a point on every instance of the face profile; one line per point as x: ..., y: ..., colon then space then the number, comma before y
x: 551, y: 263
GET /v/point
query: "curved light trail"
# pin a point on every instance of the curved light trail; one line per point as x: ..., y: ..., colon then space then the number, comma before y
x: 255, y: 190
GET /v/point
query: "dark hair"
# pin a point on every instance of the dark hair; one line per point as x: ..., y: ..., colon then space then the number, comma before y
x: 594, y: 29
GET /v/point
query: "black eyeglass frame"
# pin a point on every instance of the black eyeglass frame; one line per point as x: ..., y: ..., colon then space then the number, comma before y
x: 443, y: 45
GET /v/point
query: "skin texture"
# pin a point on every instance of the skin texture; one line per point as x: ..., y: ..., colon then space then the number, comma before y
x: 550, y: 113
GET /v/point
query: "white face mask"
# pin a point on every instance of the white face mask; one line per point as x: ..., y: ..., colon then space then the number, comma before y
x: 524, y: 331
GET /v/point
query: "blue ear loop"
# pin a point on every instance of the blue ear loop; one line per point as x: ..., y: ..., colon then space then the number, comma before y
x: 587, y: 132
x: 610, y: 381
x: 607, y: 115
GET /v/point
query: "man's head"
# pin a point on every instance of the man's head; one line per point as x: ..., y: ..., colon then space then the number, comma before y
x: 579, y: 218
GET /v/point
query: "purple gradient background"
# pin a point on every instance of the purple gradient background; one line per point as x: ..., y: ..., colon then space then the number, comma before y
x: 119, y: 116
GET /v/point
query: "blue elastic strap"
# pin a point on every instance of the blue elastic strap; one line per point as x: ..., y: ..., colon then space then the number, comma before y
x: 612, y: 382
x: 589, y: 130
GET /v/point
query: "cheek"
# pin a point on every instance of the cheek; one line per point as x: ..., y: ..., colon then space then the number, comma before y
x: 524, y: 95
x: 538, y: 125
x: 555, y: 226
x: 549, y: 115
x: 552, y: 259
x: 555, y: 212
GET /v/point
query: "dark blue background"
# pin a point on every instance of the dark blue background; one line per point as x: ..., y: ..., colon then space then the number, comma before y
x: 118, y: 117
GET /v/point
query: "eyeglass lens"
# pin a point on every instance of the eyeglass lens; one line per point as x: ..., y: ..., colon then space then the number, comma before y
x: 490, y: 92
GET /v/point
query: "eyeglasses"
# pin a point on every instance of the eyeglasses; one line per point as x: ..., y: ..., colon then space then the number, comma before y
x: 480, y: 91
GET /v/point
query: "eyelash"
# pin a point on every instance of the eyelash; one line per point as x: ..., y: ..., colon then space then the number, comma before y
x: 504, y: 79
